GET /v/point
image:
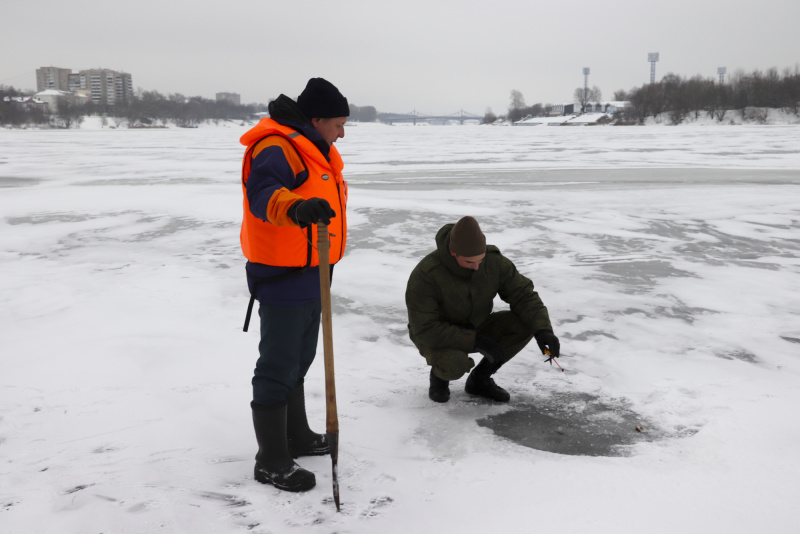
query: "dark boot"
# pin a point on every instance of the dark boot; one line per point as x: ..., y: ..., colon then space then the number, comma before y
x: 439, y: 391
x: 302, y: 441
x: 274, y: 464
x: 480, y: 382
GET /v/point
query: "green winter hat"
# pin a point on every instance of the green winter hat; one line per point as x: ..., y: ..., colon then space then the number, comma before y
x: 466, y: 238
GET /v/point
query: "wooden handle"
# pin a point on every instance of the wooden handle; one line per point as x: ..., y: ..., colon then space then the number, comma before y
x: 323, y: 248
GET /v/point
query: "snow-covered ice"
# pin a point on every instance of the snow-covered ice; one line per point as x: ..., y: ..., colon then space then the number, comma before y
x: 668, y: 258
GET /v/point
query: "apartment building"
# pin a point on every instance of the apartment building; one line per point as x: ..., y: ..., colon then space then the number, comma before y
x: 52, y: 78
x: 103, y: 86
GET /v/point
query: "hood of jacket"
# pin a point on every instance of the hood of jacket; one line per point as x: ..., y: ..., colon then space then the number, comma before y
x: 285, y: 111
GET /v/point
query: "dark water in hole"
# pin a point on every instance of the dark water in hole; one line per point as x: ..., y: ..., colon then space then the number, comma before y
x: 577, y: 424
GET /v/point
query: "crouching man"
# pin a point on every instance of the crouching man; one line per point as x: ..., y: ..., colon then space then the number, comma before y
x: 449, y: 299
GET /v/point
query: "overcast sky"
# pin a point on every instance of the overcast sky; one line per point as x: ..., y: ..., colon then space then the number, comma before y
x: 435, y: 56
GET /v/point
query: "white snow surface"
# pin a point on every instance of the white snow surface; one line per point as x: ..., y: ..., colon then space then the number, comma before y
x: 667, y: 257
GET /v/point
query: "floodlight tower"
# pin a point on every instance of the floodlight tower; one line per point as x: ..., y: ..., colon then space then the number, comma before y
x: 585, y: 85
x: 721, y: 71
x: 652, y: 57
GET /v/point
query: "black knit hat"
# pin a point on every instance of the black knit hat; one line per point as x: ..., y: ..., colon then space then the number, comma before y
x: 466, y: 238
x: 322, y: 100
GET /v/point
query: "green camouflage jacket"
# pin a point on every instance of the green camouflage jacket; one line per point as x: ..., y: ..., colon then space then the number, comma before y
x: 447, y: 302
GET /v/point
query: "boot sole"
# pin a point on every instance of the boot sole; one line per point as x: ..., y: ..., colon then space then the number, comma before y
x: 314, y: 452
x: 316, y: 447
x: 487, y: 396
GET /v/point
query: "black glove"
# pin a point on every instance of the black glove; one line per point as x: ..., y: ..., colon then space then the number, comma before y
x: 490, y: 349
x: 548, y: 340
x: 311, y: 211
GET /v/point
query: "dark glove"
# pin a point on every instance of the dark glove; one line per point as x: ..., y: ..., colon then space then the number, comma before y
x: 548, y: 341
x: 311, y: 211
x: 490, y: 349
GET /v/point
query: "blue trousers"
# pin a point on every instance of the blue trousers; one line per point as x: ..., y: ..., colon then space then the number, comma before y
x: 286, y: 350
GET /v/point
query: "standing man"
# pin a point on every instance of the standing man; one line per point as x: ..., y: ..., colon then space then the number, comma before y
x: 449, y: 299
x: 291, y: 179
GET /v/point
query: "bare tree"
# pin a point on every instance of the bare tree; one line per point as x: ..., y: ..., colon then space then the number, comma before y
x: 516, y: 110
x: 363, y: 113
x: 674, y: 97
x: 68, y: 112
x: 697, y: 92
x: 770, y: 89
x: 584, y: 95
x: 638, y: 108
x: 595, y: 94
x: 645, y: 101
x: 581, y: 96
x: 790, y: 91
x: 517, y: 100
x: 489, y: 117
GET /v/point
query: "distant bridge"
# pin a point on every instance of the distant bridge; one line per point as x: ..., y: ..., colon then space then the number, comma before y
x: 415, y: 117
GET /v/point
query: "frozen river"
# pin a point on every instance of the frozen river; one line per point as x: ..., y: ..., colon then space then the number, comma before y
x: 668, y: 257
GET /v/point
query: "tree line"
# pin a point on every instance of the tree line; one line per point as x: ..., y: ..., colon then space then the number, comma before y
x: 517, y: 110
x: 151, y: 108
x: 677, y: 98
x: 748, y: 94
x: 13, y: 114
x: 147, y: 109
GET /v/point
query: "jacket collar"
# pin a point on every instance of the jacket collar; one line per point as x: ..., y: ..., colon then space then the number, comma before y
x: 286, y: 112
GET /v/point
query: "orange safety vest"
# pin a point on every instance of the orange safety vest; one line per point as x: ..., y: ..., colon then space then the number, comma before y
x: 289, y: 246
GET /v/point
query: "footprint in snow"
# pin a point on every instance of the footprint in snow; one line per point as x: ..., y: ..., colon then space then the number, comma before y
x: 375, y: 507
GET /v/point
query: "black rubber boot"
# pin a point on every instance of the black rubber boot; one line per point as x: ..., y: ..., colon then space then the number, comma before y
x: 302, y: 440
x: 480, y: 382
x: 274, y: 464
x: 439, y: 391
